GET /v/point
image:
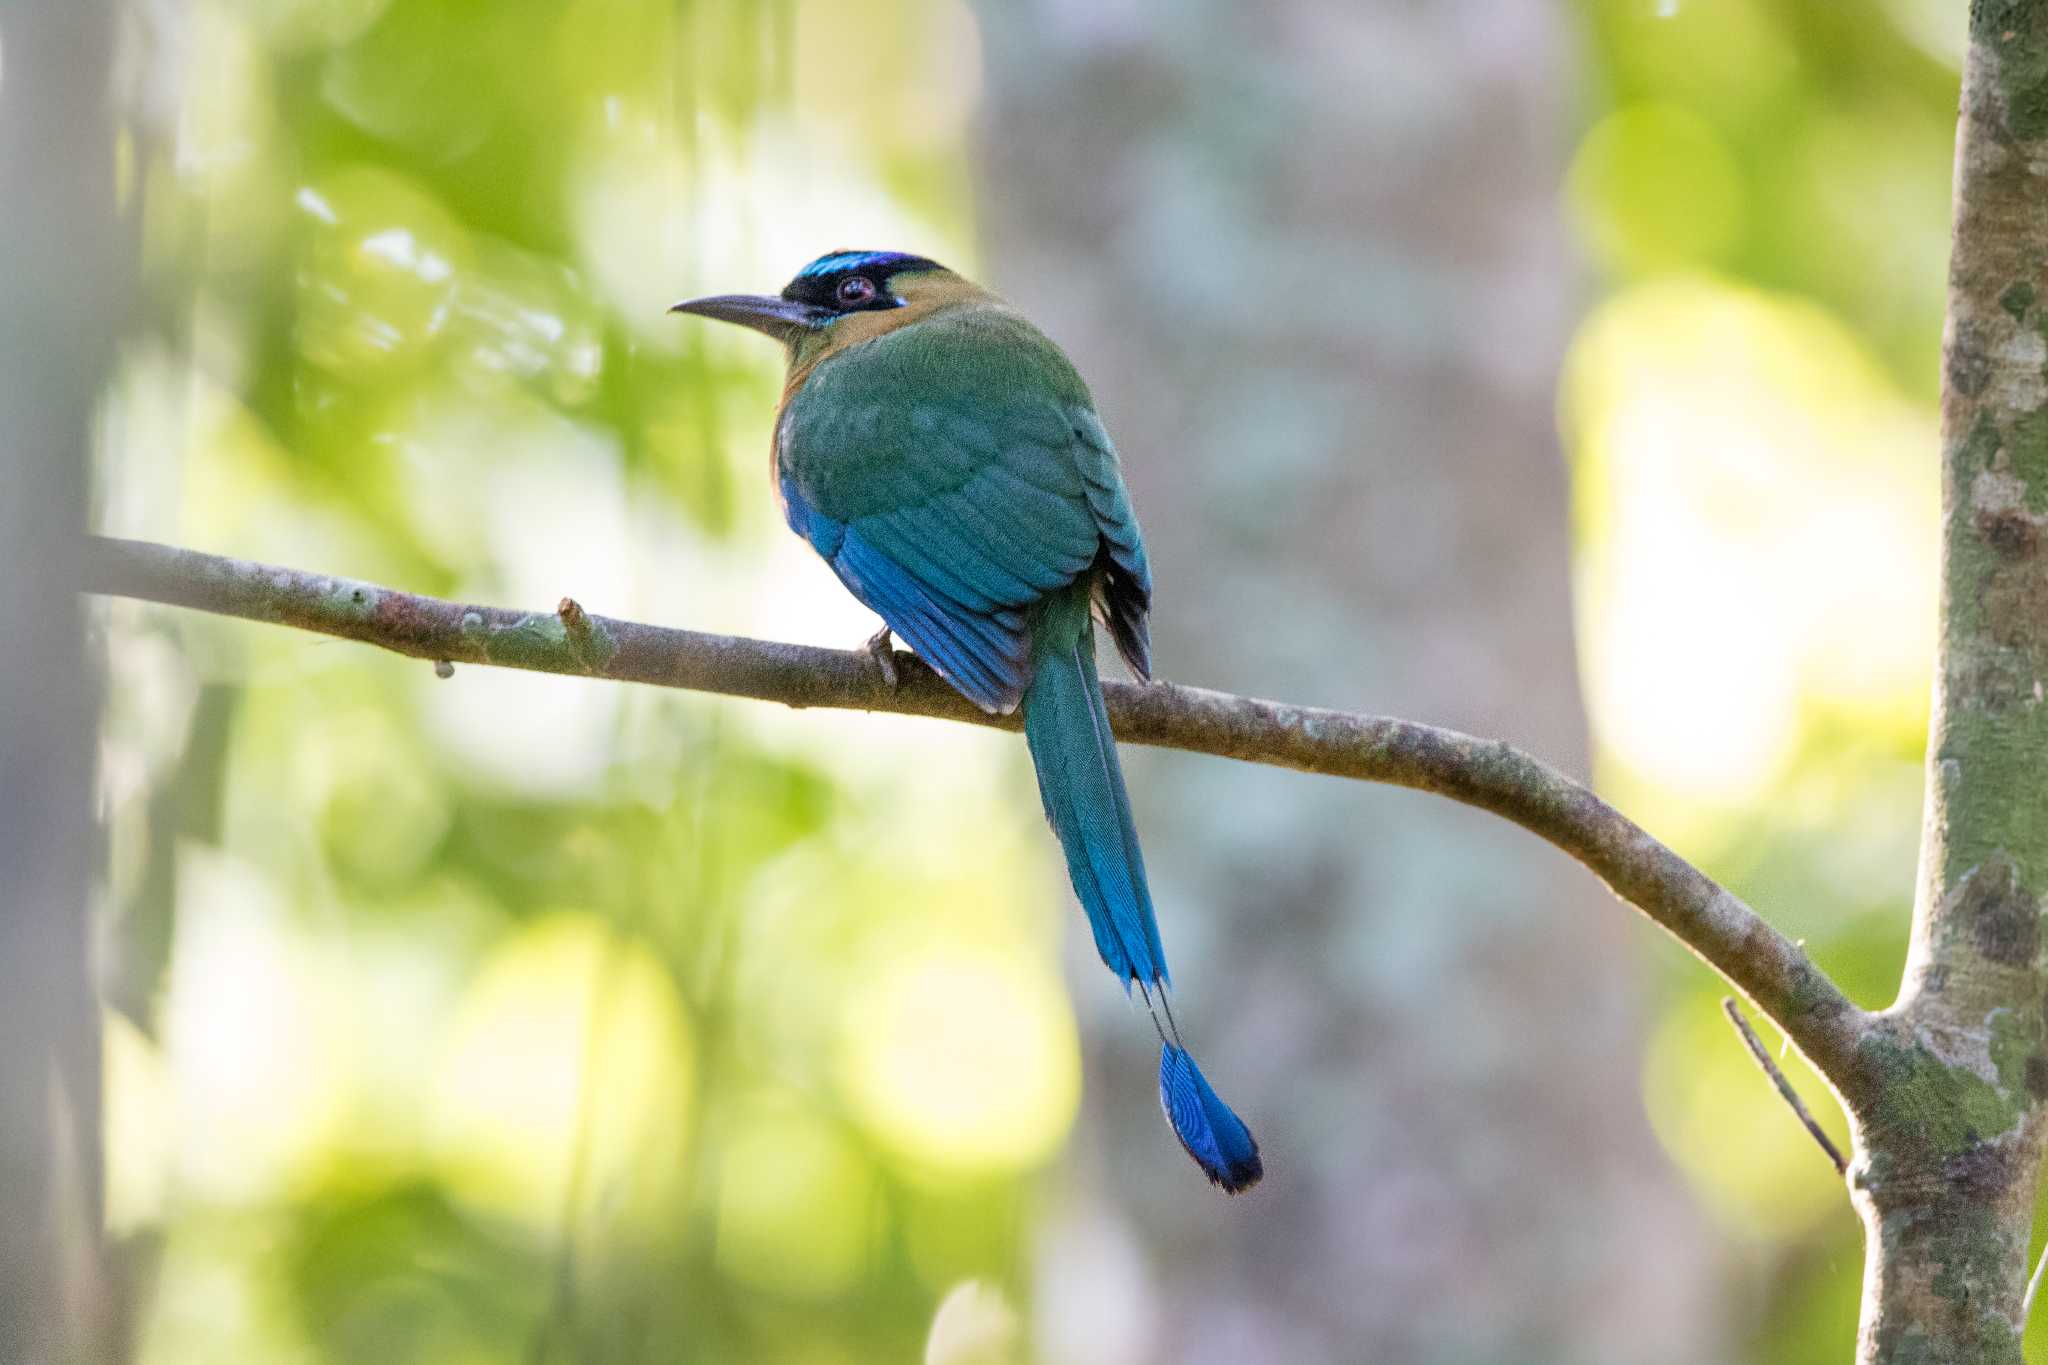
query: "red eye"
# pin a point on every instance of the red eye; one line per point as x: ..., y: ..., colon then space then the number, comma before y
x: 855, y: 290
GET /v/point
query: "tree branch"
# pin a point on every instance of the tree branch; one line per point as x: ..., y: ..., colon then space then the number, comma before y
x: 1783, y: 1085
x: 1774, y: 973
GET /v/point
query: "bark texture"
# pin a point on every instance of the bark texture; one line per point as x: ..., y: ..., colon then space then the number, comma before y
x: 1950, y: 1085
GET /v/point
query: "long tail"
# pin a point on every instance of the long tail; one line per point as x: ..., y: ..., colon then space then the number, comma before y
x: 1082, y: 786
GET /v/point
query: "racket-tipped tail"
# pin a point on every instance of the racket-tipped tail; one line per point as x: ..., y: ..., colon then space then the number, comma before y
x: 1208, y: 1129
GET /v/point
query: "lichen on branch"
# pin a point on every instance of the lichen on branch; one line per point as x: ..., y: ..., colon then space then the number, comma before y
x: 1950, y: 1144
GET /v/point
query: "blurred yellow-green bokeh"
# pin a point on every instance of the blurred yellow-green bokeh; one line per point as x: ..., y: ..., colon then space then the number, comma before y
x: 517, y: 1017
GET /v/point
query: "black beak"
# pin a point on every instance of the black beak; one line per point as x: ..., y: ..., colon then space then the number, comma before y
x: 779, y: 318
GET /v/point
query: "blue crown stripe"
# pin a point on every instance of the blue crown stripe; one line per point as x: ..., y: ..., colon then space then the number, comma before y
x: 846, y: 260
x: 842, y: 261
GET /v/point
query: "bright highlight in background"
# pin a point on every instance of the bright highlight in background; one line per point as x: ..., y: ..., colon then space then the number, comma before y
x: 1653, y: 185
x: 568, y: 1037
x: 1758, y: 519
x: 796, y: 1204
x: 257, y: 1039
x: 963, y: 1059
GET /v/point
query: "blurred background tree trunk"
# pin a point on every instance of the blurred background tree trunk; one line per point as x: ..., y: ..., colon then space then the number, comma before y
x: 1322, y: 306
x: 62, y: 257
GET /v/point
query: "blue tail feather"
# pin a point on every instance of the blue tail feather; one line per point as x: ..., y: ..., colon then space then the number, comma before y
x: 1208, y: 1129
x: 1082, y: 786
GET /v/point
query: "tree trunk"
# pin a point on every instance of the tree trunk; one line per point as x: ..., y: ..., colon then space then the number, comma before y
x: 63, y: 256
x: 1321, y: 297
x: 1949, y: 1110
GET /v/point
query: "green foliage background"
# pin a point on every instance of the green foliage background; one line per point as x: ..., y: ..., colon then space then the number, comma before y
x: 520, y: 1018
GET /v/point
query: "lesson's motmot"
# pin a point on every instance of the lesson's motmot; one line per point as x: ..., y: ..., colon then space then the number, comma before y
x: 944, y: 457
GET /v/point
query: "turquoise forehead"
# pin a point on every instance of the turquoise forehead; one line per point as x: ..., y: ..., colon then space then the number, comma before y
x: 853, y: 260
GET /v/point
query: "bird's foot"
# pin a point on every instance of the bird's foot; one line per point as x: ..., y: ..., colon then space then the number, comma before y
x: 881, y: 652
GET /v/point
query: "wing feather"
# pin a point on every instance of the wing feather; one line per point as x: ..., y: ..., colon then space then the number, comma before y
x: 953, y: 476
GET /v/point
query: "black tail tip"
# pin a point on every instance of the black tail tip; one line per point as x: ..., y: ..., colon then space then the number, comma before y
x: 1209, y: 1131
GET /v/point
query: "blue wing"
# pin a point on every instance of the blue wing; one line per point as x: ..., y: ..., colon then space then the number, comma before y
x: 984, y: 653
x: 952, y: 507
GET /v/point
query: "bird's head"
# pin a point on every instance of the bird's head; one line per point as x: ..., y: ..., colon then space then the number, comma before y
x: 841, y: 298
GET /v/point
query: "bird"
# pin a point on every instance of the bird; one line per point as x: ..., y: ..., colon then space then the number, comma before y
x: 946, y: 460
